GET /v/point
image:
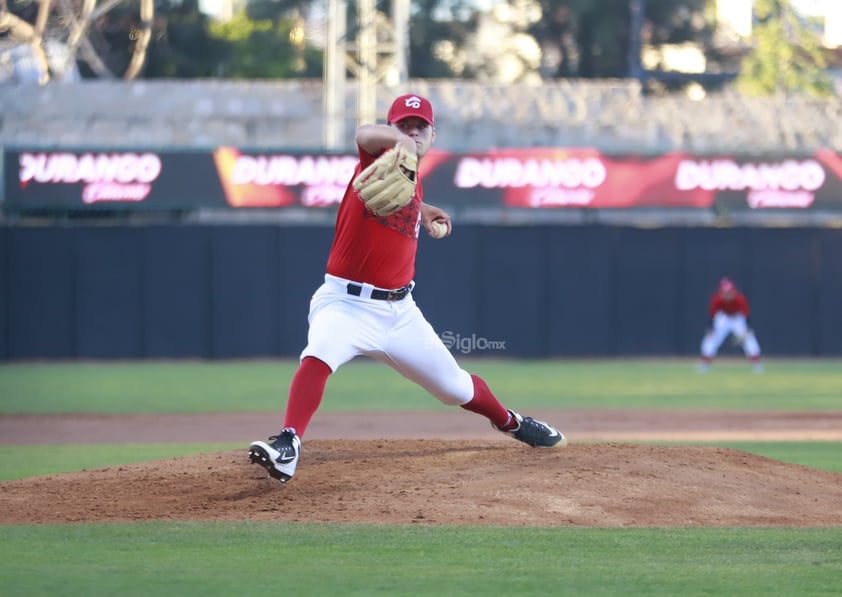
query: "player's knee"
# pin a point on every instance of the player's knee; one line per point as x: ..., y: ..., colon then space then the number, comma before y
x: 456, y: 391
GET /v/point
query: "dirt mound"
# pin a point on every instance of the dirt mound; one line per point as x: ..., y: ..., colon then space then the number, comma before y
x: 397, y: 481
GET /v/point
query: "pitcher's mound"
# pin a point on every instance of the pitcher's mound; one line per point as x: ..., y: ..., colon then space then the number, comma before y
x: 447, y: 482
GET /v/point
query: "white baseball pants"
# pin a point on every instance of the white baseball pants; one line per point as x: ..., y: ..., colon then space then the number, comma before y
x: 343, y: 326
x: 723, y: 325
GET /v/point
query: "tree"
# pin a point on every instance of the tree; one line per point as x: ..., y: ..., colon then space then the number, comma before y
x: 592, y: 38
x: 184, y: 47
x: 64, y: 38
x: 787, y: 57
x: 438, y: 31
x: 265, y: 48
x: 264, y: 40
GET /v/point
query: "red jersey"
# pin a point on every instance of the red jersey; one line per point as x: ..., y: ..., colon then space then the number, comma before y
x: 736, y: 303
x: 373, y: 249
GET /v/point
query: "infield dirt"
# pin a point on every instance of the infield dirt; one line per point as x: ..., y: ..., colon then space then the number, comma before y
x: 441, y: 468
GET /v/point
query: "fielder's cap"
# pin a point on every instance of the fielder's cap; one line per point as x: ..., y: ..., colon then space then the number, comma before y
x: 405, y: 106
x: 726, y: 285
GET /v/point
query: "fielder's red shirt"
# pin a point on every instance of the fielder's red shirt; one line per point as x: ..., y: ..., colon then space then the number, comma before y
x: 732, y: 305
x: 377, y: 250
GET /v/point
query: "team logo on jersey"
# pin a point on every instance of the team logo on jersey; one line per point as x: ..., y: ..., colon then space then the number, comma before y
x: 406, y: 220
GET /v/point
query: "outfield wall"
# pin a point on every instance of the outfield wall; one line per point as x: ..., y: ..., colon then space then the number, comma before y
x: 130, y: 292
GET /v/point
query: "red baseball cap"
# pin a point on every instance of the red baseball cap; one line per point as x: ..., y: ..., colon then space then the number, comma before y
x: 405, y: 106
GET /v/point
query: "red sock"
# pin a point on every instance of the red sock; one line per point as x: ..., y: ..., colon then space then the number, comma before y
x: 305, y: 393
x: 486, y: 404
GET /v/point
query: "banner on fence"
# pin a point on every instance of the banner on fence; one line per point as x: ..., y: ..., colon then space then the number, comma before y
x: 530, y: 178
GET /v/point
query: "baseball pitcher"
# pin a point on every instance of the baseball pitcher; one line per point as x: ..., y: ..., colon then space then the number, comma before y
x: 365, y: 306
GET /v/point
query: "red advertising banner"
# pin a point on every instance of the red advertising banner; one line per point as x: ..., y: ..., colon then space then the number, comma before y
x: 525, y: 178
x: 586, y: 178
x: 279, y: 180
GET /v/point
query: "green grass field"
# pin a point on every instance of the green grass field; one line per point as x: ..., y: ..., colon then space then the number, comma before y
x: 320, y: 559
x: 323, y: 559
x: 261, y: 386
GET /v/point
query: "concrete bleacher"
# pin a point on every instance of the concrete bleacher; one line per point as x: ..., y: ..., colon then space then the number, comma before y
x: 611, y: 115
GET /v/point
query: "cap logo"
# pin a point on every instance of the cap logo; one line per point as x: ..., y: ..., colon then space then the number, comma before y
x: 413, y: 102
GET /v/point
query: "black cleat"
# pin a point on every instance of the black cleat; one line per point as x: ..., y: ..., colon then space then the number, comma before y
x: 280, y: 456
x: 535, y: 433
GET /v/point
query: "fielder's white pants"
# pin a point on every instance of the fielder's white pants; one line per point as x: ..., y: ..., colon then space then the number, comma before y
x: 723, y: 325
x: 343, y: 326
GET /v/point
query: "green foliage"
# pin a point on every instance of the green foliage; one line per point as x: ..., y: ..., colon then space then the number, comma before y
x: 264, y: 48
x: 593, y: 37
x: 271, y: 44
x: 182, y: 46
x: 787, y: 57
x: 677, y: 22
x: 431, y: 25
x: 590, y: 37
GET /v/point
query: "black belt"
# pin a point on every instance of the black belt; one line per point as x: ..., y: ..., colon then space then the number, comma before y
x: 381, y: 295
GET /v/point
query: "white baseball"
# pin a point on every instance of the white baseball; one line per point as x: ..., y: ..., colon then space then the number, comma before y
x: 438, y: 229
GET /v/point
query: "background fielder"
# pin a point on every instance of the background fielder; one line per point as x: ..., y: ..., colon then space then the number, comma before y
x: 730, y: 314
x: 365, y: 305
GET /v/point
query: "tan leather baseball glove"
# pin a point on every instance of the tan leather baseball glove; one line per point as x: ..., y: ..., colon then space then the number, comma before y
x: 388, y: 183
